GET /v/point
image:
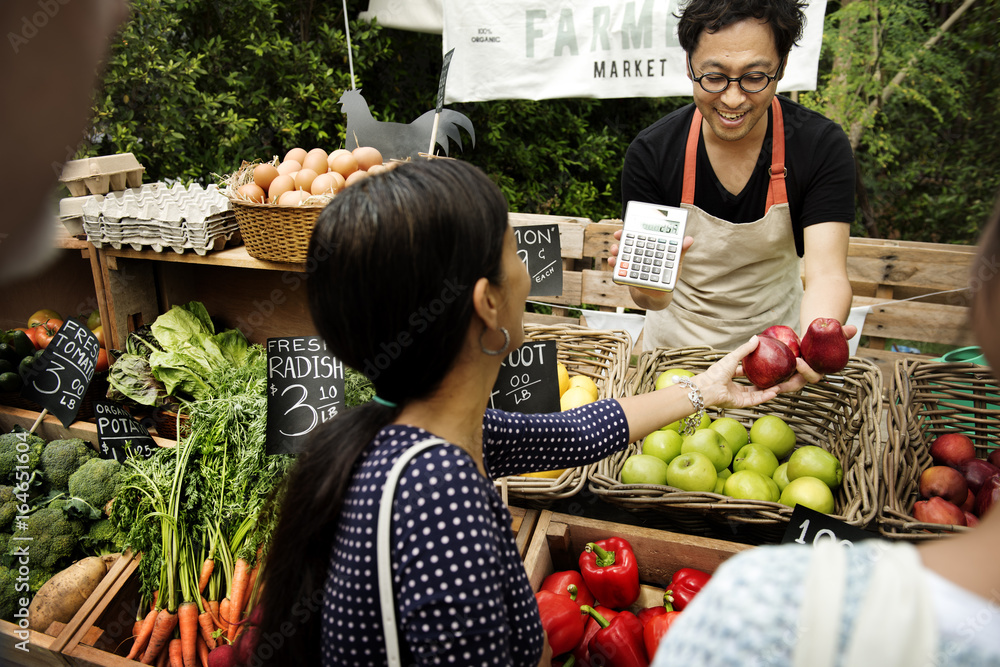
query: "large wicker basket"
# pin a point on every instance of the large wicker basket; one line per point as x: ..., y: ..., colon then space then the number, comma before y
x: 841, y: 414
x: 604, y: 356
x: 928, y: 399
x: 276, y: 233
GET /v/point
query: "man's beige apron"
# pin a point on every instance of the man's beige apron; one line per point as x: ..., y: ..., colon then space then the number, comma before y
x: 736, y: 279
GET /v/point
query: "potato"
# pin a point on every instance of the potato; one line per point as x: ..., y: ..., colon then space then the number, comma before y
x: 61, y: 597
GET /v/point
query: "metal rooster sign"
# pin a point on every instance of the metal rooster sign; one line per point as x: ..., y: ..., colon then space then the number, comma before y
x: 400, y: 140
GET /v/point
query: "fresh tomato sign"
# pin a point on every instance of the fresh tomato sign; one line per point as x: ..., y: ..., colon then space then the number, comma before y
x: 58, y: 380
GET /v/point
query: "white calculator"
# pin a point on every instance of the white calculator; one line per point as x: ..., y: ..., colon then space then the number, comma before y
x: 649, y: 253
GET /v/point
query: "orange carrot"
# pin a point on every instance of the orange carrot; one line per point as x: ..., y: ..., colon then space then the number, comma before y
x: 206, y: 573
x: 163, y: 628
x: 187, y: 623
x: 142, y: 636
x: 250, y: 584
x: 207, y: 626
x: 164, y: 658
x: 241, y: 577
x: 212, y: 606
x: 202, y: 652
x: 224, y: 614
x: 176, y: 650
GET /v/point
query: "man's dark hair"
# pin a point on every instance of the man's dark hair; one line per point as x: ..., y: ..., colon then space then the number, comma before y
x: 786, y: 18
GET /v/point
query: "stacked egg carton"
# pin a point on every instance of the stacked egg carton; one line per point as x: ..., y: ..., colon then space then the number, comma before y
x: 159, y: 216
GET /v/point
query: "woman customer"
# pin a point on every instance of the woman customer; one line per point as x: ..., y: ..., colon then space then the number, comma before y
x: 418, y: 283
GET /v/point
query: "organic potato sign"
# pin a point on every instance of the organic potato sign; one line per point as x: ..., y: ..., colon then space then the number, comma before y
x: 528, y: 379
x: 60, y: 377
x: 305, y: 388
x: 119, y: 434
x: 540, y: 250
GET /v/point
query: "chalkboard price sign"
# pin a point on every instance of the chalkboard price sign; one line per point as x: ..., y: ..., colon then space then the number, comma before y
x: 807, y: 526
x: 60, y: 377
x: 540, y: 250
x: 119, y: 434
x: 305, y: 388
x: 528, y: 379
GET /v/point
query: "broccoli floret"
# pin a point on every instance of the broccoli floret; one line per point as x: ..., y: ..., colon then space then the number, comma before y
x: 96, y: 481
x: 8, y: 594
x: 54, y: 536
x: 8, y: 506
x: 61, y: 458
x: 19, y: 452
x: 5, y: 557
x: 103, y: 538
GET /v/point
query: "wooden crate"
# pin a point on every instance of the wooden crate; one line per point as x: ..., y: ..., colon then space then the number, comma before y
x: 559, y: 539
x: 50, y: 428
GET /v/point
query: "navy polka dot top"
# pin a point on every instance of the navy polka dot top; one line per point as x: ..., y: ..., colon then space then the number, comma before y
x: 462, y: 593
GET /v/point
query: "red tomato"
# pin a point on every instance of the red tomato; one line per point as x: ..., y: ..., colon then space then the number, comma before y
x: 45, y: 332
x: 103, y: 361
x: 99, y: 332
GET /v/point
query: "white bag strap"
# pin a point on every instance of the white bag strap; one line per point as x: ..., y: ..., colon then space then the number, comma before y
x: 383, y: 549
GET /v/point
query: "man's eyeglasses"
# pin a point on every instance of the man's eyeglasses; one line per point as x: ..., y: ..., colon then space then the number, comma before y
x: 751, y: 82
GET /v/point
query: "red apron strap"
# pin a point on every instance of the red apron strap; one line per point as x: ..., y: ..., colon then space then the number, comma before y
x: 691, y: 159
x: 776, y: 193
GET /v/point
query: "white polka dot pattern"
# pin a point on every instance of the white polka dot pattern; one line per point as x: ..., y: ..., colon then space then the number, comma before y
x: 462, y: 594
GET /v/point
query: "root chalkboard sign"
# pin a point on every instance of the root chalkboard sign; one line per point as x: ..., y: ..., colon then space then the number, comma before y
x: 59, y: 378
x: 305, y: 388
x: 119, y: 434
x: 528, y: 379
x: 540, y: 250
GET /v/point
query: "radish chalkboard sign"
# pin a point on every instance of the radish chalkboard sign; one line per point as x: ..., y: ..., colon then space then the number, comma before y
x: 540, y: 250
x: 59, y: 378
x: 119, y: 434
x: 528, y: 379
x: 305, y: 388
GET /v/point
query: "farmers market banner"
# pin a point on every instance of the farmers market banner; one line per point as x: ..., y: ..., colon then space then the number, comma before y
x: 544, y: 49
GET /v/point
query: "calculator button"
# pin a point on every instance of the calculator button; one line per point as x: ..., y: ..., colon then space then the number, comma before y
x: 661, y: 246
x: 671, y: 255
x: 644, y: 276
x: 659, y: 255
x: 640, y: 244
x: 650, y: 253
x: 669, y: 265
x: 647, y: 260
x: 623, y: 272
x: 624, y: 265
x: 634, y: 274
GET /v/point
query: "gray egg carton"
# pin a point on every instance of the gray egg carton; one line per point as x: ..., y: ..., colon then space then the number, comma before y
x: 159, y: 216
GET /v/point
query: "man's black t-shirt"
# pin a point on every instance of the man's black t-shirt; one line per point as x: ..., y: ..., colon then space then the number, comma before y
x: 818, y: 156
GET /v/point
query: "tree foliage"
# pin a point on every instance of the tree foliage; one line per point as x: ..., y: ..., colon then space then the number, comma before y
x: 193, y: 87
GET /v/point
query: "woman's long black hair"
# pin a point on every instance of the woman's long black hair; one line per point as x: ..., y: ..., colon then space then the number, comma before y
x: 392, y: 263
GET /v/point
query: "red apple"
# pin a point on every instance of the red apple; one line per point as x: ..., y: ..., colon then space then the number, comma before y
x: 971, y: 520
x: 824, y: 347
x: 785, y: 334
x: 945, y: 482
x: 938, y: 510
x: 994, y: 457
x: 950, y: 449
x: 987, y: 496
x: 970, y: 502
x: 977, y: 471
x: 770, y: 364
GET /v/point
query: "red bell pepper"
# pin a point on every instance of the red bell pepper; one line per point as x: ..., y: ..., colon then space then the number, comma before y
x: 610, y: 571
x: 619, y: 642
x: 684, y: 585
x: 562, y: 620
x: 654, y: 630
x: 582, y: 652
x: 569, y: 582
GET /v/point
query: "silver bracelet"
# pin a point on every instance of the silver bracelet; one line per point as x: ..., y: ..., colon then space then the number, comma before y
x: 692, y: 421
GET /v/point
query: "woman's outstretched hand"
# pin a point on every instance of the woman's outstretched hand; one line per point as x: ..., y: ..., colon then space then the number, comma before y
x: 718, y: 389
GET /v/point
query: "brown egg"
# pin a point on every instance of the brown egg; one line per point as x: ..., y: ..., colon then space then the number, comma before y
x: 297, y: 154
x: 263, y: 174
x: 366, y: 157
x: 316, y: 160
x: 355, y: 177
x: 279, y: 186
x: 289, y: 166
x: 377, y: 169
x: 334, y: 155
x: 344, y: 164
x: 293, y: 198
x: 324, y: 183
x: 251, y: 192
x: 305, y: 177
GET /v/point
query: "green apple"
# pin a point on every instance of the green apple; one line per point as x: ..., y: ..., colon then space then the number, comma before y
x: 775, y: 491
x: 780, y: 476
x: 813, y: 461
x: 664, y: 445
x: 734, y: 432
x: 692, y: 472
x: 644, y: 469
x: 710, y: 443
x: 725, y: 473
x: 808, y: 491
x: 772, y: 432
x: 748, y: 485
x: 665, y: 379
x: 756, y: 457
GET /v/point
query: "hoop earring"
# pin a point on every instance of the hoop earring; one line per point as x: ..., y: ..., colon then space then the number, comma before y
x: 495, y: 353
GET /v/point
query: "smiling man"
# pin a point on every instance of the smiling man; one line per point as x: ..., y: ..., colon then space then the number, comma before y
x: 767, y: 184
